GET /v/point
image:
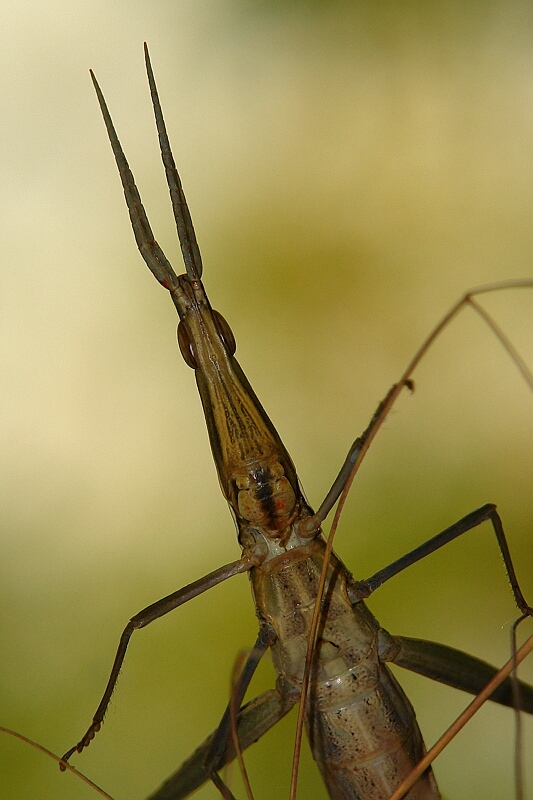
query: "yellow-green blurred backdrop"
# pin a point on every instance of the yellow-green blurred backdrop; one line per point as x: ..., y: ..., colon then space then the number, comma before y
x: 351, y: 168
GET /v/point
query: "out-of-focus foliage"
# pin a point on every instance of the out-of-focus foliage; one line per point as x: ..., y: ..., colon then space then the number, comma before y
x: 351, y: 168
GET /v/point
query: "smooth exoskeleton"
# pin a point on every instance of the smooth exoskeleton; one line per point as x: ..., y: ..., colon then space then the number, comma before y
x: 361, y: 726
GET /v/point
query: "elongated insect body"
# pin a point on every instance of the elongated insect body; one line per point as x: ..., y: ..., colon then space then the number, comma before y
x: 256, y: 474
x: 360, y: 723
x: 361, y: 726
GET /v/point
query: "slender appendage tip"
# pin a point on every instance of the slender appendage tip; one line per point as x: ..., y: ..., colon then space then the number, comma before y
x: 184, y: 225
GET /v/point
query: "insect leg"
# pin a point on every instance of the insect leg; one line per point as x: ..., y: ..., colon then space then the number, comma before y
x: 265, y: 639
x: 508, y: 668
x: 141, y: 620
x: 470, y: 521
x: 310, y: 525
x: 153, y: 255
x: 454, y: 668
x: 255, y: 719
x: 182, y: 216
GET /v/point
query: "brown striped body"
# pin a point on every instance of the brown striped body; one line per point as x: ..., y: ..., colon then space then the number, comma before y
x: 361, y: 726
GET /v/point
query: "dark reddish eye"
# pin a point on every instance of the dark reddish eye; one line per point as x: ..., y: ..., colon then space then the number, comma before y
x: 185, y: 346
x: 226, y: 334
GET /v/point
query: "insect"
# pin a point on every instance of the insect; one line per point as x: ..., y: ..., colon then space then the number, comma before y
x: 362, y: 728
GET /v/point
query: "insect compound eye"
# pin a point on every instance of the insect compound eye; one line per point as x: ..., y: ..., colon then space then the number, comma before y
x: 185, y: 346
x: 226, y: 334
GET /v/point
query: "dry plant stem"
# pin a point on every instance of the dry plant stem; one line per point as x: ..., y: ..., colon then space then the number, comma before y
x: 512, y: 351
x: 461, y: 721
x: 56, y: 759
x: 366, y: 441
x: 520, y: 791
x: 365, y: 444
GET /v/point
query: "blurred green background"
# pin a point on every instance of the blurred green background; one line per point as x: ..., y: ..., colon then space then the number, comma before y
x: 351, y: 168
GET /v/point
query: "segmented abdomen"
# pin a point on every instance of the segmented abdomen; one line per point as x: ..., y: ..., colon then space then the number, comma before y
x: 361, y: 726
